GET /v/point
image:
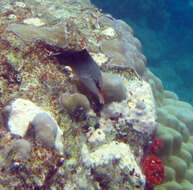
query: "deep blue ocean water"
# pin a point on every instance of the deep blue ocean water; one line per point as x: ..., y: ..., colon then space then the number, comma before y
x: 165, y: 29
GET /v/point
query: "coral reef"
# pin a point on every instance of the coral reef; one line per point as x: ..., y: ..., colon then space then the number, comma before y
x: 38, y: 94
x: 46, y: 121
x: 159, y: 33
x: 46, y: 117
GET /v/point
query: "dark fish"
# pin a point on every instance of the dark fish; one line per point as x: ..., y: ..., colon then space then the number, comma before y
x: 86, y: 70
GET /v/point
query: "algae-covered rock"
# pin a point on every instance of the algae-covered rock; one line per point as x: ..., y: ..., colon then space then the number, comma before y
x: 108, y: 153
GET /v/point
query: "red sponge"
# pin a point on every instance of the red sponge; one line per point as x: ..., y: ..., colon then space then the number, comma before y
x: 152, y: 166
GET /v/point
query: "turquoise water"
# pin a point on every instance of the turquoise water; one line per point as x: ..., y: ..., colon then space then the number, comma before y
x: 165, y: 28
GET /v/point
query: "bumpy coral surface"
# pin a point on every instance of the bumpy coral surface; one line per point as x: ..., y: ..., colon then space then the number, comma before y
x: 175, y: 129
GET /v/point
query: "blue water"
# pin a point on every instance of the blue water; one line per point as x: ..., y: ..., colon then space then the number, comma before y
x: 165, y: 28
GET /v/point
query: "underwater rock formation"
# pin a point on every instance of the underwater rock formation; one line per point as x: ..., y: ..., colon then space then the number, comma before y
x: 117, y: 38
x: 126, y: 113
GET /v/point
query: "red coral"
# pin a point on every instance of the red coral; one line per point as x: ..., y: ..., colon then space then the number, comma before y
x: 152, y: 166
